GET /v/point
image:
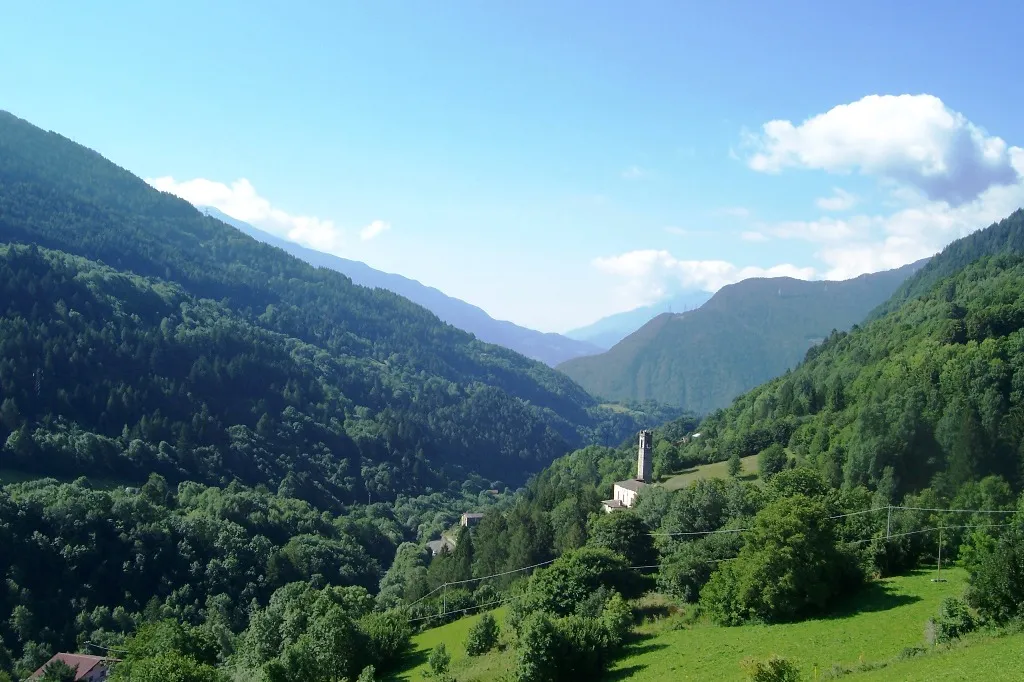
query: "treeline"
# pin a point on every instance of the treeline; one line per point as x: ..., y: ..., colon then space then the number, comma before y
x: 932, y: 394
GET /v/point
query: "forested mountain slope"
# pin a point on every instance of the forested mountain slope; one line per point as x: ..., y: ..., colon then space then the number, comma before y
x: 608, y: 331
x: 1006, y: 236
x: 747, y: 333
x: 548, y: 348
x: 931, y: 393
x: 197, y: 350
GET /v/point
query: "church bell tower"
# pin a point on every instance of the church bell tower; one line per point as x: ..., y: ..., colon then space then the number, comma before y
x: 645, y: 462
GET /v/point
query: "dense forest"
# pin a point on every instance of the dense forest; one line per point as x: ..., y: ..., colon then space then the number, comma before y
x: 748, y: 333
x: 140, y: 335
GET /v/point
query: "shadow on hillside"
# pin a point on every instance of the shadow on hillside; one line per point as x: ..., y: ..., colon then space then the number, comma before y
x: 623, y: 673
x: 409, y: 662
x: 637, y: 645
x: 871, y: 599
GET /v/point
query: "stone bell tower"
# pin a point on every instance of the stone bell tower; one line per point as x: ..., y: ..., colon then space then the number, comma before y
x: 645, y: 461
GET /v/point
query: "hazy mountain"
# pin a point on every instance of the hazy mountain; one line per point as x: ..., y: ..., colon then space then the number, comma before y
x: 744, y: 335
x: 551, y: 349
x: 608, y: 331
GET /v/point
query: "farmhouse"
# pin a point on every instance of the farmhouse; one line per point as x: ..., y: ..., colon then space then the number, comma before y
x: 624, y: 492
x: 87, y: 668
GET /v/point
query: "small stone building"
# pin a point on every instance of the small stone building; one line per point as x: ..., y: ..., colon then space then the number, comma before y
x: 624, y: 492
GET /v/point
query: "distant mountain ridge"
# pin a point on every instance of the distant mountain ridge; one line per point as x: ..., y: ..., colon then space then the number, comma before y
x: 608, y: 331
x: 549, y: 348
x: 746, y: 334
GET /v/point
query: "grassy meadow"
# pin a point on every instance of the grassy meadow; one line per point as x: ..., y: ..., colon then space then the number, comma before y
x: 870, y: 630
x: 876, y: 625
x: 715, y: 470
x: 464, y: 668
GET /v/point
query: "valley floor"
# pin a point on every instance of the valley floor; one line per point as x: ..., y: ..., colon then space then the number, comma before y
x: 870, y: 631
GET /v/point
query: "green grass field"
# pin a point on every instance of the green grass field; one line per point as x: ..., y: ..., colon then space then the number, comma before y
x: 716, y: 470
x: 464, y: 668
x: 874, y: 626
x: 982, y: 658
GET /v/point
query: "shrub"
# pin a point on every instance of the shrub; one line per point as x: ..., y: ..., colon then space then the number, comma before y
x: 617, y: 618
x: 573, y: 577
x: 997, y: 583
x: 789, y: 566
x: 483, y: 636
x: 439, y: 661
x: 537, y: 656
x: 772, y: 669
x: 387, y: 638
x: 954, y: 621
x: 771, y: 460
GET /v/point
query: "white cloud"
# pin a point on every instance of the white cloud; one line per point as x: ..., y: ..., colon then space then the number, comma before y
x: 825, y: 229
x: 635, y: 173
x: 648, y: 276
x: 909, y: 234
x: 841, y: 200
x: 751, y: 236
x: 914, y: 139
x: 735, y: 212
x: 241, y: 201
x: 374, y: 229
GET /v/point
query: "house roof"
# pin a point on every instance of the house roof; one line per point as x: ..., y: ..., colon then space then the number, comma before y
x: 435, y: 545
x: 613, y: 504
x: 473, y: 515
x: 85, y: 664
x: 631, y: 484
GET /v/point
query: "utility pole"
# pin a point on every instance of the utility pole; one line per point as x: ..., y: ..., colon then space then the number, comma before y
x: 938, y: 578
x: 888, y: 524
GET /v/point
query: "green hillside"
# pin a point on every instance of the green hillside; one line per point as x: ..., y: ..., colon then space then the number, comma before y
x: 1002, y: 237
x: 138, y: 335
x: 746, y: 334
x: 933, y: 389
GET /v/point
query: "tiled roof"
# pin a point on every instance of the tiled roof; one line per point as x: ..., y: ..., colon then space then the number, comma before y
x: 84, y: 663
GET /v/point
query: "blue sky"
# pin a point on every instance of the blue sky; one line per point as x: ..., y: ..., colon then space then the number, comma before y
x: 551, y: 162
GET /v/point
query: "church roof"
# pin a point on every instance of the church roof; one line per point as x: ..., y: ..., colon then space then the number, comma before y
x: 631, y: 484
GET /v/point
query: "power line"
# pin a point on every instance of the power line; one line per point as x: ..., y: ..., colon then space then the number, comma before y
x: 888, y: 536
x: 107, y: 648
x: 968, y: 511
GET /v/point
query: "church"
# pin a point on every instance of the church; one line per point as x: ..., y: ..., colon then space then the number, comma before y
x: 624, y: 492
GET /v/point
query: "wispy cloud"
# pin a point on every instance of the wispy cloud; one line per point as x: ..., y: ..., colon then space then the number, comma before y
x: 735, y: 212
x: 841, y: 200
x: 752, y: 236
x: 241, y: 201
x: 635, y: 173
x: 647, y: 276
x: 373, y: 230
